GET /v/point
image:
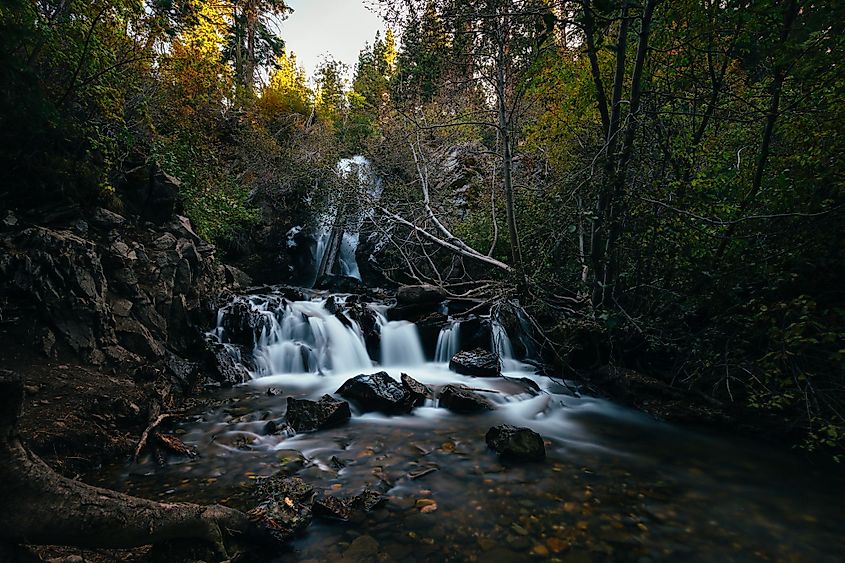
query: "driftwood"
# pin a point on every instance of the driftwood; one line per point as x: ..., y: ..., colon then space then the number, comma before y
x: 41, y: 507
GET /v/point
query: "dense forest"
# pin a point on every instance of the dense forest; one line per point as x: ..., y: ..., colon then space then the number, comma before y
x: 656, y: 189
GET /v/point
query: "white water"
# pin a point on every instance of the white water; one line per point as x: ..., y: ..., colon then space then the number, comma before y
x: 400, y: 345
x: 448, y: 342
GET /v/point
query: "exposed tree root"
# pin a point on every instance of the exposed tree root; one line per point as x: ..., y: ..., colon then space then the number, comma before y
x: 41, y: 507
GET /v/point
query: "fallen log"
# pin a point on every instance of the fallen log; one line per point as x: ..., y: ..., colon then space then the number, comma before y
x: 41, y: 507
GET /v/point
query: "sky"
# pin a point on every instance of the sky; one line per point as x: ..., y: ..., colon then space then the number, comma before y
x: 336, y: 27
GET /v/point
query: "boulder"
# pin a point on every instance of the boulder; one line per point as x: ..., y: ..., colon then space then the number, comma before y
x: 418, y: 295
x: 415, y: 391
x: 309, y: 416
x: 376, y: 392
x: 477, y: 363
x: 512, y: 442
x: 337, y: 283
x: 463, y: 401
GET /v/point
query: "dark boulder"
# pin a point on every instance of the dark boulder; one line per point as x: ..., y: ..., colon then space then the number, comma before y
x: 516, y: 443
x: 337, y: 283
x: 477, y: 363
x: 418, y: 295
x: 242, y: 323
x: 376, y: 392
x: 309, y: 416
x: 222, y: 366
x: 463, y: 401
x: 415, y: 392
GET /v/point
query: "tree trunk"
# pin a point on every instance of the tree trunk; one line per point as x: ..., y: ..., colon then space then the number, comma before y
x: 41, y: 507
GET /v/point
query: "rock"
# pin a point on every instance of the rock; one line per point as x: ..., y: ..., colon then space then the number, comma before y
x: 336, y: 283
x: 165, y: 242
x: 106, y: 220
x: 367, y: 500
x: 9, y: 221
x: 516, y: 443
x: 331, y: 305
x: 463, y: 401
x: 309, y: 416
x: 181, y: 371
x: 362, y: 548
x: 376, y: 392
x: 235, y: 277
x: 477, y: 363
x: 415, y: 391
x: 273, y: 392
x: 418, y: 295
x: 332, y: 507
x: 241, y: 323
x: 286, y: 508
x: 135, y: 337
x: 221, y: 366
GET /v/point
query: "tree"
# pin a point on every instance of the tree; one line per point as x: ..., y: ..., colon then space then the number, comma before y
x: 252, y: 43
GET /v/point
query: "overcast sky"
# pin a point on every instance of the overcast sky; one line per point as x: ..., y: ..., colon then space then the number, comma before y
x: 336, y: 27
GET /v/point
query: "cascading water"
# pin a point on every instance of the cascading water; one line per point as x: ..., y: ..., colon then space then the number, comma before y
x: 448, y: 342
x: 339, y: 226
x: 595, y: 451
x: 400, y: 345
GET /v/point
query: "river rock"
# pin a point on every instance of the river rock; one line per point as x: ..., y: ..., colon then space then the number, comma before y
x: 332, y: 507
x: 516, y: 443
x: 376, y: 392
x: 415, y: 391
x: 286, y: 507
x: 463, y: 401
x: 309, y: 416
x: 477, y: 363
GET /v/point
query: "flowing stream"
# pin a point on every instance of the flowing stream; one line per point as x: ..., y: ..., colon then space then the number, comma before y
x: 617, y: 485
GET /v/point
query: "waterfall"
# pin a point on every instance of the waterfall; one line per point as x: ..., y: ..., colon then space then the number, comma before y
x: 340, y: 225
x: 400, y: 345
x: 501, y: 344
x: 291, y: 337
x: 448, y: 342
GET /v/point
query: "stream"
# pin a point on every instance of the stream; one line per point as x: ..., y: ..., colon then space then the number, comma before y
x: 616, y: 484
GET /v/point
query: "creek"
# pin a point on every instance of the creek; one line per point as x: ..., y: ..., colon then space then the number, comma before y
x: 616, y: 485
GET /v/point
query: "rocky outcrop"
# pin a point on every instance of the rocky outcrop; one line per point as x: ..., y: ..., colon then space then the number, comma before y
x: 117, y: 292
x: 516, y: 443
x: 477, y: 363
x: 309, y: 416
x: 463, y: 401
x: 377, y: 392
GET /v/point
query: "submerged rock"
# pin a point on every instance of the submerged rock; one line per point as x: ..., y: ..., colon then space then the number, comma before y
x: 517, y: 443
x: 286, y: 507
x: 463, y: 401
x: 477, y: 363
x: 308, y: 416
x: 377, y: 392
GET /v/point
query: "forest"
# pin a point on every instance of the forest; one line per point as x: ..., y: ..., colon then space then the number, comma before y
x: 613, y: 222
